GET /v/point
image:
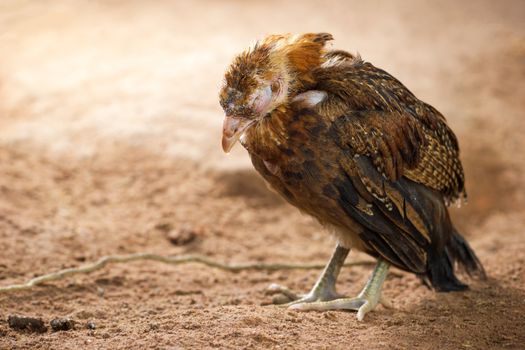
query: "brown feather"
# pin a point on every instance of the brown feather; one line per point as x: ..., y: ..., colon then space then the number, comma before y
x: 370, y: 159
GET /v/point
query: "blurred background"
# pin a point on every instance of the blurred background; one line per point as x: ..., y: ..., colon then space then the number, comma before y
x: 76, y: 73
x: 110, y: 141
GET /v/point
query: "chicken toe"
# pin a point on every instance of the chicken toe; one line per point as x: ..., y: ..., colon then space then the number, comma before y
x: 365, y: 302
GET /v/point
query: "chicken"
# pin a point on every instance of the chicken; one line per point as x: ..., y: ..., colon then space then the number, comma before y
x: 350, y: 145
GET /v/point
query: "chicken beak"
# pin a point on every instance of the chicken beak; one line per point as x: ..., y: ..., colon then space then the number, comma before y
x: 232, y: 129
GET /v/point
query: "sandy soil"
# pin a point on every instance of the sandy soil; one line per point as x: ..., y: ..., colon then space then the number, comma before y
x: 109, y: 144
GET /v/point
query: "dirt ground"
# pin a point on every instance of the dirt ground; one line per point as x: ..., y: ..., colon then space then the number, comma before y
x: 110, y: 144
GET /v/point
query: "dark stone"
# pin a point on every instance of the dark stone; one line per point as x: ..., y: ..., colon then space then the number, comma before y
x: 31, y: 324
x: 62, y: 324
x: 183, y: 236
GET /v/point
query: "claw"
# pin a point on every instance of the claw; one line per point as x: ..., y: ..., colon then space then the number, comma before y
x: 367, y: 306
x: 275, y: 288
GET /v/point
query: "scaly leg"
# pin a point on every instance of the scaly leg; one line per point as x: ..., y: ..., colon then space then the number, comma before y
x: 366, y: 301
x: 324, y: 288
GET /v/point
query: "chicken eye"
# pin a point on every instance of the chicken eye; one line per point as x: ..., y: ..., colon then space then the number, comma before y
x: 275, y: 87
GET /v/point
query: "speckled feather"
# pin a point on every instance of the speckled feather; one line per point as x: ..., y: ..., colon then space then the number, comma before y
x: 380, y: 118
x: 370, y: 160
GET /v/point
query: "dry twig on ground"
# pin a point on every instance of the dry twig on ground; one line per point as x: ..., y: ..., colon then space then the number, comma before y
x: 173, y: 260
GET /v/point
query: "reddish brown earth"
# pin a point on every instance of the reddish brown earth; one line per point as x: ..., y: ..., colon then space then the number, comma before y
x: 109, y: 144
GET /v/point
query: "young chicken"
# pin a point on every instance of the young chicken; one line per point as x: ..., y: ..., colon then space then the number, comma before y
x: 350, y: 145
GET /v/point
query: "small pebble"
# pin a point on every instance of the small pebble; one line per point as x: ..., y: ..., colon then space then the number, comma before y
x: 279, y: 299
x: 91, y: 325
x: 182, y: 236
x: 30, y: 324
x: 62, y: 324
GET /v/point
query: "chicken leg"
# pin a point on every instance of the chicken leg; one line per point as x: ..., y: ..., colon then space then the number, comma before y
x: 323, y: 296
x: 366, y: 301
x: 324, y: 288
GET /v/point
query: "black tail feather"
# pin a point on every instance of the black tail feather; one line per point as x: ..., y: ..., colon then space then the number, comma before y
x: 458, y: 252
x: 465, y: 257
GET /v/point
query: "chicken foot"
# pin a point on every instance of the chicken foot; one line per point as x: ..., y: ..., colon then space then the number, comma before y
x: 324, y: 288
x: 323, y: 296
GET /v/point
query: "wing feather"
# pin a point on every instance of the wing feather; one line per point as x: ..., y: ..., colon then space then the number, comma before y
x: 377, y: 116
x: 399, y: 157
